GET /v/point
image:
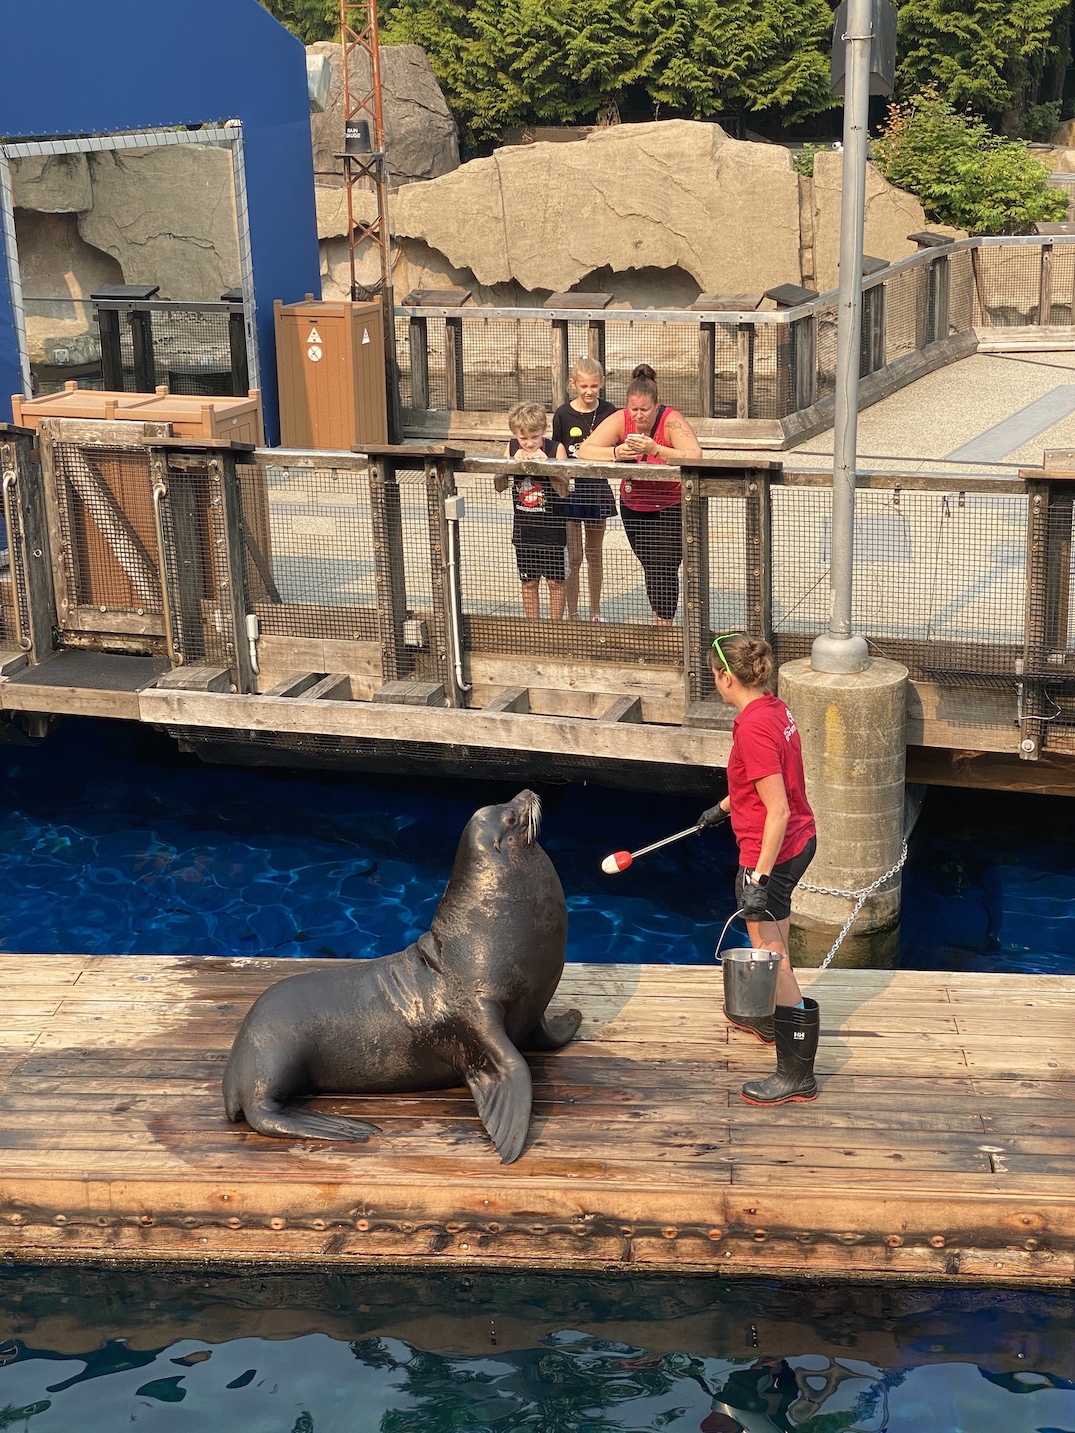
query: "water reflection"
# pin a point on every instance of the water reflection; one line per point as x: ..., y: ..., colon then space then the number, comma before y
x: 377, y: 1352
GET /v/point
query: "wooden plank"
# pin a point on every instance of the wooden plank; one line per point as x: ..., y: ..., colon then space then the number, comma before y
x: 913, y: 1162
x: 442, y: 727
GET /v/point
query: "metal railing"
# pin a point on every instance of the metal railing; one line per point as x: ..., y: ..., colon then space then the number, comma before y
x: 397, y: 573
x: 772, y: 370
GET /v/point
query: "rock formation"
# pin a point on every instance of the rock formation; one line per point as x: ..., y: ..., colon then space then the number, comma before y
x: 653, y: 213
x: 422, y: 140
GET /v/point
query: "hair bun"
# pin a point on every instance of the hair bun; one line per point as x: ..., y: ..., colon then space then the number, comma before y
x: 643, y: 370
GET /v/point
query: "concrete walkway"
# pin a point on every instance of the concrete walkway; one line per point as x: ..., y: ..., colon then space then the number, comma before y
x: 991, y: 413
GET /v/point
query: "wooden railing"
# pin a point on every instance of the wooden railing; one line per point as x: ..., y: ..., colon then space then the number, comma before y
x: 760, y: 378
x: 396, y: 567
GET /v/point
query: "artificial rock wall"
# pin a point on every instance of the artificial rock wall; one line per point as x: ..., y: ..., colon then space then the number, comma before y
x: 653, y: 213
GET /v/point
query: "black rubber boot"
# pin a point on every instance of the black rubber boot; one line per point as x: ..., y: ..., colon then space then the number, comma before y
x: 796, y: 1045
x: 761, y: 1027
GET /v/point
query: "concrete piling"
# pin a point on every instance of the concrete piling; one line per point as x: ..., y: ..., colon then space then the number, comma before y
x: 854, y: 751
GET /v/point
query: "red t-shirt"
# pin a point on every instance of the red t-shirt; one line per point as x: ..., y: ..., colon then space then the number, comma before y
x: 765, y: 742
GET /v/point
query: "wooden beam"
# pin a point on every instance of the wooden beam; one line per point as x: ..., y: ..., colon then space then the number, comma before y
x: 441, y: 727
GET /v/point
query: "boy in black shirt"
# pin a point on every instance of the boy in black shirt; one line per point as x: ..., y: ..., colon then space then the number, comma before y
x: 539, y: 532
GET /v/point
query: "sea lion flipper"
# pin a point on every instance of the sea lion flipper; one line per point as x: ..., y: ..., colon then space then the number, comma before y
x: 289, y: 1122
x: 552, y: 1032
x: 499, y: 1079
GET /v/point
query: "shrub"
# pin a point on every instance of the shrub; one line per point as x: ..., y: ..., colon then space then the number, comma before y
x: 962, y: 173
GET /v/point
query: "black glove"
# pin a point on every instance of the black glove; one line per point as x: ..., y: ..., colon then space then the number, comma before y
x: 755, y: 902
x: 713, y: 817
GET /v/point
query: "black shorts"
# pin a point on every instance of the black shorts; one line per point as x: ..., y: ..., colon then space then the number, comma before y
x: 536, y: 562
x: 783, y: 880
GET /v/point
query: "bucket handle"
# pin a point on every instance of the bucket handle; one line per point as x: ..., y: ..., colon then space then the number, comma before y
x: 727, y: 923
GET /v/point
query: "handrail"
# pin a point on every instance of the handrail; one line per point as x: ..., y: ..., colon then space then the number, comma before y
x: 22, y: 641
x: 160, y: 491
x: 778, y: 317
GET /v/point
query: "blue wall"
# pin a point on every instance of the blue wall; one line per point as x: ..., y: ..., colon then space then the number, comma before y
x: 78, y: 67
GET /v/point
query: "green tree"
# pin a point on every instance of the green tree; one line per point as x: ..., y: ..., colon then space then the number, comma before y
x: 505, y: 62
x: 962, y: 172
x: 311, y: 20
x: 1000, y: 57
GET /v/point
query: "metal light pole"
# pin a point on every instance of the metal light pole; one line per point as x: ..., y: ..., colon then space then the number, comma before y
x: 838, y: 650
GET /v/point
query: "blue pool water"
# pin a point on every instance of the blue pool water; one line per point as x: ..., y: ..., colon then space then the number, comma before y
x: 352, y: 1352
x: 111, y: 841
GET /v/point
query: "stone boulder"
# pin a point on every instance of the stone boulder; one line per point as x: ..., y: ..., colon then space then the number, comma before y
x: 52, y: 184
x: 673, y: 195
x: 421, y: 137
x: 891, y: 214
x: 168, y: 217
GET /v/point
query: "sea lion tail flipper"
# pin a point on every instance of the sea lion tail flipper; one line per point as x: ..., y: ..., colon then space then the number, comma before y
x: 289, y: 1122
x: 552, y: 1032
x: 499, y: 1079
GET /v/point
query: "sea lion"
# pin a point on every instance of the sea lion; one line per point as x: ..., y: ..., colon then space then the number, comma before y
x: 455, y: 1007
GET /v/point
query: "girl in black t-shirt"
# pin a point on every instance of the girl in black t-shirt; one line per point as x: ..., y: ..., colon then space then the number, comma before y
x: 538, y: 531
x: 590, y: 500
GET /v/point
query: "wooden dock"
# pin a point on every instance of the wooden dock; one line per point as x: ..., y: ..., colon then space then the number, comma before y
x: 943, y: 1143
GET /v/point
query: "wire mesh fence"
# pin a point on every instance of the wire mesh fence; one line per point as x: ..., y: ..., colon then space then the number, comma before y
x: 108, y: 551
x: 535, y: 580
x: 939, y: 576
x: 310, y: 547
x: 196, y: 349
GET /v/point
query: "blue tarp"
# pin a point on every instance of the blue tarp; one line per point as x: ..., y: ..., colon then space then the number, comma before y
x: 112, y: 66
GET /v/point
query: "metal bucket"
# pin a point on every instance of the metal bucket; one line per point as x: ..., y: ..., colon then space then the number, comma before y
x: 749, y: 978
x: 750, y: 981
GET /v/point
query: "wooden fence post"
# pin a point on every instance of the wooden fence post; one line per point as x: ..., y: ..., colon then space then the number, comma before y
x: 695, y: 518
x: 453, y: 363
x: 744, y: 370
x: 447, y: 619
x: 389, y: 577
x: 1045, y: 286
x: 804, y: 351
x: 707, y: 358
x: 759, y: 554
x: 941, y: 281
x: 418, y: 347
x: 595, y: 340
x: 224, y: 484
x: 559, y: 362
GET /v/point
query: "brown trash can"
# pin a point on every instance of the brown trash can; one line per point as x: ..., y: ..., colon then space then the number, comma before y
x: 330, y: 363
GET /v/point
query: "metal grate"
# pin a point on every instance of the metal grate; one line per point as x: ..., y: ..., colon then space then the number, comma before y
x: 1007, y: 284
x: 560, y: 575
x: 109, y: 546
x: 310, y: 552
x: 939, y: 577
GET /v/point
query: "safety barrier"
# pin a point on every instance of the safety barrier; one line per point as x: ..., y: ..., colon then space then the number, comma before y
x: 397, y: 572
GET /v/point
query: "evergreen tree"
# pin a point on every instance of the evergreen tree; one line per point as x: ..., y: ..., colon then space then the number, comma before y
x: 506, y: 62
x: 991, y: 55
x: 311, y: 20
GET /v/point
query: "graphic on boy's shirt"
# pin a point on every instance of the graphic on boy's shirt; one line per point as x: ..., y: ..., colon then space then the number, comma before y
x: 530, y: 495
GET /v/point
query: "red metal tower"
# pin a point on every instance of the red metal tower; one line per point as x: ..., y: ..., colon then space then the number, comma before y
x: 365, y: 168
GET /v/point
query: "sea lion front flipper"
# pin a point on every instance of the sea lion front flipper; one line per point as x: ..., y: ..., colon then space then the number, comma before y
x: 499, y: 1079
x: 552, y: 1032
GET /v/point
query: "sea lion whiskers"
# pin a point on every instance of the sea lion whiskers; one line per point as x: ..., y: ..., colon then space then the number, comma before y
x: 533, y: 818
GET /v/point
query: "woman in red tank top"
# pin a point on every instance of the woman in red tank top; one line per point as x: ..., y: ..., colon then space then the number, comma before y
x: 646, y: 432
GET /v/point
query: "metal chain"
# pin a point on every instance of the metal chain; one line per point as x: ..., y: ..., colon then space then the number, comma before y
x: 859, y: 897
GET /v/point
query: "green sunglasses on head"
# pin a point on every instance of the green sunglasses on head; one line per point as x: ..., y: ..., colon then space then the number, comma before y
x: 720, y: 650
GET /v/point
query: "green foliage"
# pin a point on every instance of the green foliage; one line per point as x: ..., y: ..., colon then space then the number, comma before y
x: 963, y: 173
x: 1039, y: 122
x: 509, y: 62
x: 803, y: 163
x: 988, y: 54
x: 309, y: 19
